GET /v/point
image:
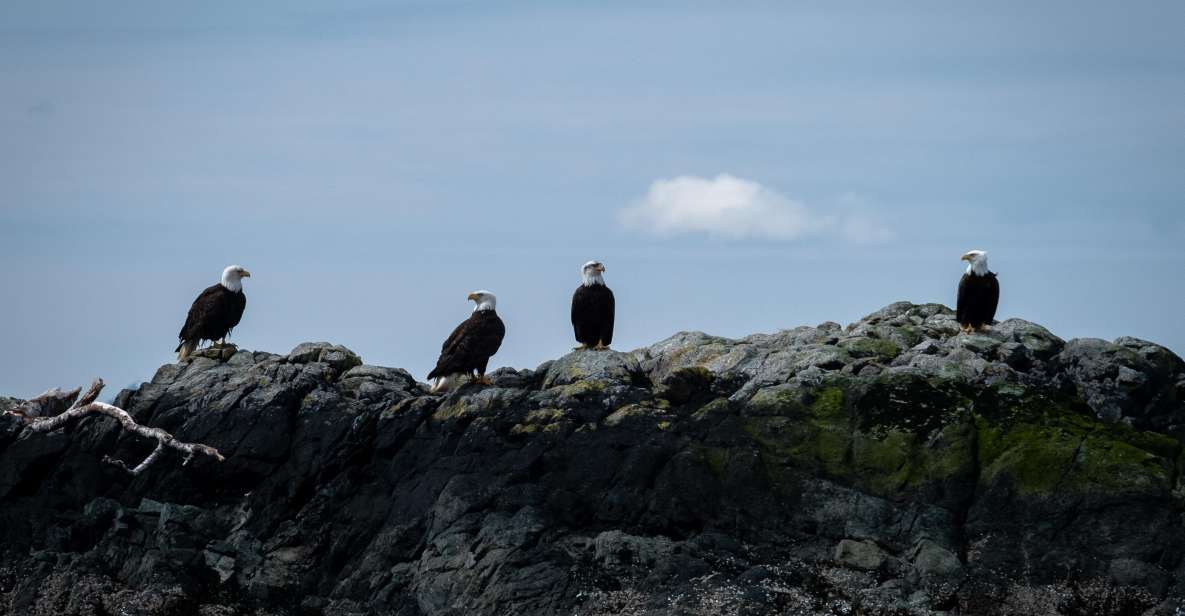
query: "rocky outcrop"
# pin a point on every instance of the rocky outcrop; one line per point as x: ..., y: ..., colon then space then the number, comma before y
x: 894, y: 466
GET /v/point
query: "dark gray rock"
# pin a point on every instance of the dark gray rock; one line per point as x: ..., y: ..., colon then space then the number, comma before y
x: 864, y: 555
x: 1130, y: 380
x: 338, y: 357
x: 605, y: 368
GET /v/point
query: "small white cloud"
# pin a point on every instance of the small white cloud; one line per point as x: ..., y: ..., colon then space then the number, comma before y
x: 736, y: 208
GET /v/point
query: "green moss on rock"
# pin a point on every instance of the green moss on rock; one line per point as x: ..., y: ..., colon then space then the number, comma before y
x: 892, y: 435
x: 778, y: 400
x: 1041, y: 445
x: 900, y: 435
x: 815, y: 437
x: 871, y: 347
x: 885, y: 463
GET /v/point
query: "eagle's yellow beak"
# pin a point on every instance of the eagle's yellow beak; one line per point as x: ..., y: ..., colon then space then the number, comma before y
x: 245, y: 274
x: 966, y: 257
x: 473, y: 297
x: 600, y: 268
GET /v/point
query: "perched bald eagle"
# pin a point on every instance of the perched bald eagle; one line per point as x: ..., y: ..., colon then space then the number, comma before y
x: 979, y: 293
x: 469, y: 348
x: 592, y: 309
x: 215, y: 312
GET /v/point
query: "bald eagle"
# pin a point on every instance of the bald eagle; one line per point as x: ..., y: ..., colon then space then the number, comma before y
x: 979, y: 294
x: 469, y: 348
x: 592, y: 309
x: 215, y: 312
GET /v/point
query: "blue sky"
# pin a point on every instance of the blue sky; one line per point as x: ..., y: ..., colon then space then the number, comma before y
x: 737, y: 168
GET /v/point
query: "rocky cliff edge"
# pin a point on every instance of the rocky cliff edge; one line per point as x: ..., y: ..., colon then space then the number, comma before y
x: 895, y: 466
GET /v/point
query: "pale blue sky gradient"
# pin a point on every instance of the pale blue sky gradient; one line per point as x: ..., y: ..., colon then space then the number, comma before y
x: 372, y: 163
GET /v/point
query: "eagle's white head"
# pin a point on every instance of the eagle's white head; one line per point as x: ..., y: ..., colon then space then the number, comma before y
x: 976, y: 262
x: 485, y: 300
x: 232, y: 277
x: 590, y: 273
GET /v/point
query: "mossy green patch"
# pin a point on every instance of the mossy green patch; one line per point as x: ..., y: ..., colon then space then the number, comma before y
x: 1045, y: 444
x: 884, y: 464
x: 457, y: 408
x: 540, y: 420
x: 1160, y: 444
x: 1034, y: 457
x: 870, y: 441
x: 898, y: 435
x: 581, y: 389
x: 828, y: 403
x: 951, y: 452
x: 871, y: 347
x: 1105, y: 463
x: 777, y: 400
x: 895, y: 462
x: 816, y: 436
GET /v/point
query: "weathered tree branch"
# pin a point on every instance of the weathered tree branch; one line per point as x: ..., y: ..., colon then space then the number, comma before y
x: 41, y: 414
x: 47, y: 404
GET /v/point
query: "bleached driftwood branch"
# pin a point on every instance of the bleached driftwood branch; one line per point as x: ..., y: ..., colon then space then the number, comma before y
x: 43, y: 413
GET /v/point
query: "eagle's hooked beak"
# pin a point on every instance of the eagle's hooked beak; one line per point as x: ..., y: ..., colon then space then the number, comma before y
x: 600, y: 268
x: 245, y: 274
x: 473, y: 297
x: 966, y: 257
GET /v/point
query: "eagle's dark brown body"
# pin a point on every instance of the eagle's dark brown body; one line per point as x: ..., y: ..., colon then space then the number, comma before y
x: 212, y: 316
x: 978, y: 298
x: 469, y: 348
x: 592, y: 315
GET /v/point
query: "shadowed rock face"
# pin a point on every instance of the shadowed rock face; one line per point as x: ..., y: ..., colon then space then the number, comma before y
x: 894, y: 466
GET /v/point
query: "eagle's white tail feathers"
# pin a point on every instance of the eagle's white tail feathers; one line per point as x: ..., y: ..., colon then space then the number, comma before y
x: 186, y: 348
x: 443, y: 383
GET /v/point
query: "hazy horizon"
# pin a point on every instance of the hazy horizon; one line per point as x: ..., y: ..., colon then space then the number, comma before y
x: 738, y: 170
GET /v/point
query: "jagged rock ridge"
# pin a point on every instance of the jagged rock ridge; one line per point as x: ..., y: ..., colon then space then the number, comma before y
x: 894, y: 466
